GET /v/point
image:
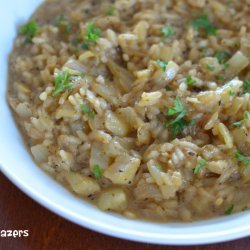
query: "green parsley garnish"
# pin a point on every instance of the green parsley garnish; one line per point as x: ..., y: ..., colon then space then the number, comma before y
x: 75, y: 41
x: 242, y: 158
x: 220, y: 77
x: 62, y: 82
x: 178, y: 108
x: 97, y: 171
x: 231, y: 92
x: 222, y: 56
x: 202, y: 163
x: 162, y: 64
x: 167, y: 31
x: 239, y: 123
x: 29, y: 31
x: 179, y: 123
x: 246, y: 117
x: 229, y: 210
x: 168, y: 88
x: 203, y: 22
x: 110, y: 11
x: 86, y: 110
x: 226, y: 65
x: 92, y: 33
x: 229, y: 2
x: 84, y: 46
x: 63, y: 23
x: 246, y: 87
x: 210, y: 67
x: 190, y: 80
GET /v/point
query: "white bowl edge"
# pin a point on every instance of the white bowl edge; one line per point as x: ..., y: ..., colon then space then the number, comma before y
x: 17, y: 165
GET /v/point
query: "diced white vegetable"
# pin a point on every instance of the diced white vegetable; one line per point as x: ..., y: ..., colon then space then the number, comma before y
x: 74, y: 67
x: 149, y: 99
x: 123, y: 170
x: 100, y: 136
x: 106, y: 91
x: 123, y: 77
x: 114, y: 199
x: 98, y: 156
x: 237, y: 63
x: 81, y: 184
x: 23, y: 110
x: 115, y: 125
x: 145, y: 190
x: 114, y: 149
x: 218, y: 167
x: 143, y: 134
x: 40, y: 153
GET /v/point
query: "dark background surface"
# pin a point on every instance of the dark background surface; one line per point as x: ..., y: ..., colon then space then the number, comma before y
x: 48, y: 231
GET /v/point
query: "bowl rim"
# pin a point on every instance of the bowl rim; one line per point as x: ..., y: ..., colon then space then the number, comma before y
x: 181, y: 239
x: 203, y: 232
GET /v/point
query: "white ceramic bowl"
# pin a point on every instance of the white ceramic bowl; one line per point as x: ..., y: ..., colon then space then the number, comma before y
x: 18, y: 166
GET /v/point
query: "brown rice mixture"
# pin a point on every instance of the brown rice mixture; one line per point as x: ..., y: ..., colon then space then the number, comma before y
x: 140, y: 106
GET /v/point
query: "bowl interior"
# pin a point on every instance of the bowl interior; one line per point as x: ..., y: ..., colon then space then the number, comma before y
x: 17, y: 165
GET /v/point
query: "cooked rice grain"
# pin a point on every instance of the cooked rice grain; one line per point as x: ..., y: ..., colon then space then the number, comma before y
x: 154, y: 110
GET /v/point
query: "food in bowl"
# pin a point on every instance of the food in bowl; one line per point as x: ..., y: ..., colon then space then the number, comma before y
x: 141, y: 107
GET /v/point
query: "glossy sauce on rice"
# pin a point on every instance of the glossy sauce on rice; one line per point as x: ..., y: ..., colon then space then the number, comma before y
x: 141, y: 107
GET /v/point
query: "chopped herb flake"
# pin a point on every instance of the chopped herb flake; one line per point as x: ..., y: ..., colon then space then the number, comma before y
x: 61, y: 18
x: 210, y: 67
x: 29, y: 31
x: 229, y: 210
x: 246, y: 87
x: 226, y: 65
x: 222, y: 56
x: 190, y: 80
x: 220, y: 77
x: 168, y: 88
x: 75, y: 41
x: 246, y: 117
x: 179, y: 123
x: 97, y: 171
x: 178, y: 108
x: 63, y: 23
x: 110, y: 11
x: 167, y: 31
x: 204, y: 23
x: 162, y: 64
x: 86, y: 110
x: 242, y: 158
x: 202, y: 163
x: 231, y: 92
x: 84, y: 46
x: 239, y: 123
x: 62, y: 82
x: 92, y: 33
